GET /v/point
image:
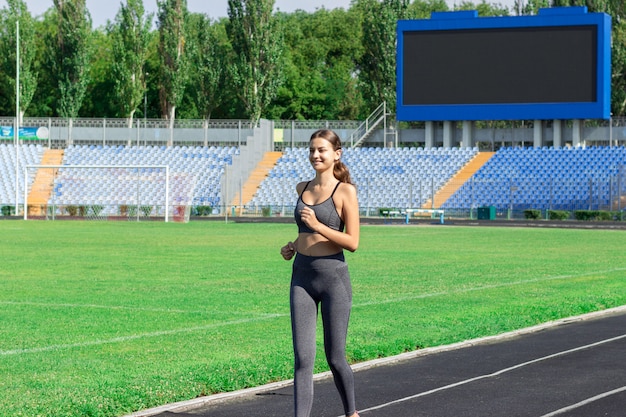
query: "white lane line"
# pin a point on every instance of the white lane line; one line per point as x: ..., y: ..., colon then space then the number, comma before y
x: 98, y: 306
x: 487, y: 287
x: 123, y: 339
x: 118, y: 307
x: 585, y: 402
x: 494, y: 374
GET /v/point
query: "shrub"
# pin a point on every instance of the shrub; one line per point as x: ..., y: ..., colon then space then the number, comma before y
x: 96, y: 209
x: 558, y: 214
x: 204, y: 210
x: 590, y: 215
x: 266, y: 211
x: 8, y: 210
x: 532, y: 214
x: 126, y: 210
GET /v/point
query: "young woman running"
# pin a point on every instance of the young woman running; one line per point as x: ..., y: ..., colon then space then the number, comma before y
x: 327, y: 215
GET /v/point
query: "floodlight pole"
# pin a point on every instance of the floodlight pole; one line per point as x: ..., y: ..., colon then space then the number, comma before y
x: 16, y: 134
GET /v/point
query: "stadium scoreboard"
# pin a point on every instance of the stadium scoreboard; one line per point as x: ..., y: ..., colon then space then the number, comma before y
x: 458, y: 66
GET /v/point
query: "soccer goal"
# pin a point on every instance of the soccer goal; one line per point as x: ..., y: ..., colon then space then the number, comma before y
x: 107, y: 192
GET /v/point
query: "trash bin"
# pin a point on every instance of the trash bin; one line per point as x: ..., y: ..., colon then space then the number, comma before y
x: 487, y: 213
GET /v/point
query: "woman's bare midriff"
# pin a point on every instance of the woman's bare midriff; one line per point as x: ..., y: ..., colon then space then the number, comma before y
x: 313, y: 244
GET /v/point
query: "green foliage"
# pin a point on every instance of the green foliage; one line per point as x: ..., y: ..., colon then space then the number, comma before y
x: 72, y: 55
x: 422, y: 9
x: 532, y: 214
x: 203, y: 210
x: 320, y: 53
x: 7, y: 210
x: 174, y: 58
x: 146, y: 210
x: 558, y: 214
x: 17, y: 12
x: 484, y: 8
x: 209, y: 53
x: 96, y: 209
x: 130, y: 35
x: 257, y: 42
x: 593, y: 215
x: 377, y: 65
x: 325, y: 65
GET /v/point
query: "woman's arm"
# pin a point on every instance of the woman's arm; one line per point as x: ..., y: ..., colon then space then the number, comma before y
x: 289, y: 250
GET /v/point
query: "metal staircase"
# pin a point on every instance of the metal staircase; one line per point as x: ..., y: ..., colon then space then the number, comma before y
x: 370, y: 124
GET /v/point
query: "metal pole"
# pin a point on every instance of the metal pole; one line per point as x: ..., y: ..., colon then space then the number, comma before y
x: 138, y: 202
x: 226, y: 193
x: 145, y: 112
x: 167, y: 191
x: 25, y: 195
x: 16, y: 129
x: 611, y: 130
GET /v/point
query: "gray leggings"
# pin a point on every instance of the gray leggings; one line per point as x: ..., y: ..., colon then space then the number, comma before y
x: 320, y: 280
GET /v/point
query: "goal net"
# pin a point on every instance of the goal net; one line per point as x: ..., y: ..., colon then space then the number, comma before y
x: 108, y: 192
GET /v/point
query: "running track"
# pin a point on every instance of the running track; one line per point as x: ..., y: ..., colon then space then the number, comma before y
x: 569, y: 368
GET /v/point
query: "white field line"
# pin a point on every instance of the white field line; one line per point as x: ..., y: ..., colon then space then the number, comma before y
x: 128, y: 338
x: 101, y: 307
x: 487, y: 287
x: 123, y: 339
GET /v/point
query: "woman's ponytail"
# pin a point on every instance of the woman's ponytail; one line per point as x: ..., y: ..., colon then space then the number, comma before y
x: 341, y: 172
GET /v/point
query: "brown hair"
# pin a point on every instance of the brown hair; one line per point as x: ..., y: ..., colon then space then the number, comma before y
x: 340, y: 170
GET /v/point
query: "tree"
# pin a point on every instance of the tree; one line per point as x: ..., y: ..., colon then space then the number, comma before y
x: 319, y: 66
x: 17, y: 12
x: 72, y: 55
x: 173, y: 74
x: 484, y: 8
x: 208, y: 55
x: 422, y: 9
x: 130, y: 34
x: 257, y: 43
x: 377, y: 66
x: 100, y: 95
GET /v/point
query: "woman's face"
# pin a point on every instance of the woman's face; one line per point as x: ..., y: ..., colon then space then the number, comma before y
x: 322, y: 155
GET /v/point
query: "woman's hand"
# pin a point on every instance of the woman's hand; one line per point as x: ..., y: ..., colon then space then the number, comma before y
x: 309, y: 218
x: 288, y: 251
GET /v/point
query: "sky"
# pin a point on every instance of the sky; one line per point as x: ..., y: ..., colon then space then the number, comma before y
x: 101, y: 11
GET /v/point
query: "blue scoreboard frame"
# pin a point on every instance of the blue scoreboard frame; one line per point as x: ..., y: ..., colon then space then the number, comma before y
x: 458, y: 66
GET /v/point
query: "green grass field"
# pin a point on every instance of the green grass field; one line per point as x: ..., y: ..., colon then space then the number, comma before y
x: 102, y: 319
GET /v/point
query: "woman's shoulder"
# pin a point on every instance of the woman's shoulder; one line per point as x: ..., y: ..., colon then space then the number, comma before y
x: 301, y: 186
x: 347, y: 189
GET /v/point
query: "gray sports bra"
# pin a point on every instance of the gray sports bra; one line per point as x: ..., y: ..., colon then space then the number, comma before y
x: 326, y: 213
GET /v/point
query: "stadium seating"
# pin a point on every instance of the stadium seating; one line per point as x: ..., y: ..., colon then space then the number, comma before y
x: 28, y: 154
x: 514, y: 178
x: 546, y: 178
x: 385, y: 177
